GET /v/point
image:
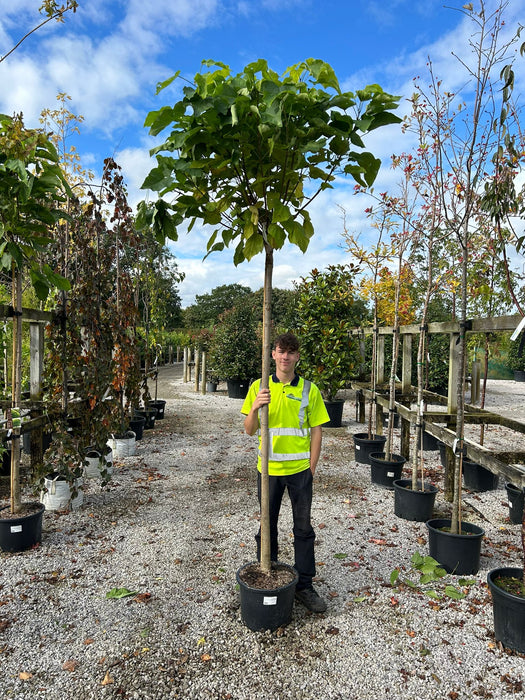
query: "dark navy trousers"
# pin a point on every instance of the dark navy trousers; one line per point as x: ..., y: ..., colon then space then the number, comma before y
x: 299, y: 488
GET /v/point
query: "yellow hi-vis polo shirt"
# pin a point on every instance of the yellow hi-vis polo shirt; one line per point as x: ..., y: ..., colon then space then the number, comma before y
x: 294, y: 409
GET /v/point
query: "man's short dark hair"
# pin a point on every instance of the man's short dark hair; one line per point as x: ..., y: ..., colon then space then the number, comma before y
x: 287, y: 341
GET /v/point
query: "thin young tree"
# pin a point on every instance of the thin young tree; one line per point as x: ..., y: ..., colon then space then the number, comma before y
x: 247, y: 154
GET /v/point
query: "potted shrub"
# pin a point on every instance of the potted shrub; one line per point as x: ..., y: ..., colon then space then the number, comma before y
x: 31, y: 186
x: 327, y: 309
x: 235, y: 349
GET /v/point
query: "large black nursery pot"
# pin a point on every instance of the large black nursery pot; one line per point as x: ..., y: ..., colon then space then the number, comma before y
x: 508, y: 610
x: 478, y: 478
x: 237, y: 388
x: 457, y: 554
x: 515, y: 498
x: 266, y: 609
x: 364, y: 445
x: 430, y: 442
x: 149, y: 413
x: 136, y: 424
x: 411, y: 504
x: 23, y: 532
x: 335, y: 412
x: 384, y: 472
x: 160, y: 405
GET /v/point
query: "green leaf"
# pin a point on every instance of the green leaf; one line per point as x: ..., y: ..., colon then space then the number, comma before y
x: 116, y: 593
x: 394, y: 576
x: 454, y: 593
x: 342, y: 555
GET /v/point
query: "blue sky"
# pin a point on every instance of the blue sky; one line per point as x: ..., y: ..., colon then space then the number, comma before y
x: 109, y: 56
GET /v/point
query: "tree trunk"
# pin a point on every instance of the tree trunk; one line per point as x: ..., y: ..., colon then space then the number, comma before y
x: 265, y: 382
x: 16, y: 300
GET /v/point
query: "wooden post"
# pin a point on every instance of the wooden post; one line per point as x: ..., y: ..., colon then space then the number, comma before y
x: 185, y: 366
x: 197, y: 368
x: 36, y: 364
x: 475, y: 376
x: 203, y: 384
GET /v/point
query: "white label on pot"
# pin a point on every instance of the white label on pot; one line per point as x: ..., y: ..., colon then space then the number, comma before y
x: 510, y: 504
x: 390, y: 474
x: 16, y: 528
x: 358, y: 447
x: 270, y: 600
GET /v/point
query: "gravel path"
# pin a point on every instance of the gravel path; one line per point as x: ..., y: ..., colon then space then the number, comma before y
x: 175, y: 524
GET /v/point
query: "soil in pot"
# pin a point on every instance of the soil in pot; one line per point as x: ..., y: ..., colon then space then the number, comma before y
x: 508, y: 605
x: 335, y: 412
x: 477, y: 478
x: 410, y: 504
x: 364, y: 445
x: 384, y: 472
x: 266, y: 600
x: 457, y: 553
x: 22, y: 530
x: 515, y: 498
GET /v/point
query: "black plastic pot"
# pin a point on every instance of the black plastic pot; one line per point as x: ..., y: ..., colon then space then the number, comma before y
x: 477, y: 478
x: 415, y: 505
x: 149, y: 413
x: 519, y: 375
x: 384, y: 472
x: 365, y: 445
x: 18, y: 534
x: 26, y: 441
x: 267, y: 609
x: 137, y: 424
x: 508, y: 610
x: 237, y: 388
x: 160, y: 405
x: 515, y: 498
x: 335, y: 412
x: 457, y: 554
x: 211, y: 387
x: 430, y: 443
x: 442, y: 453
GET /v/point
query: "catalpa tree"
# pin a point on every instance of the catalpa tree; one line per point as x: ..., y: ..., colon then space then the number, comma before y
x: 247, y: 154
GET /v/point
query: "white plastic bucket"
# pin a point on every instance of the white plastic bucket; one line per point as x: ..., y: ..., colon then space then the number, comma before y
x: 123, y: 446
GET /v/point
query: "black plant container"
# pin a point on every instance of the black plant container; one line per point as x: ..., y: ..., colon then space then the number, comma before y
x: 365, y: 445
x: 508, y: 610
x: 384, y: 472
x: 457, y: 553
x: 18, y: 534
x: 160, y: 405
x: 335, y: 412
x: 515, y: 497
x: 410, y: 504
x: 267, y: 609
x: 477, y: 478
x: 237, y: 388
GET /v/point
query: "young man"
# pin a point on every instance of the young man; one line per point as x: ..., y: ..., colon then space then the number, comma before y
x: 295, y: 415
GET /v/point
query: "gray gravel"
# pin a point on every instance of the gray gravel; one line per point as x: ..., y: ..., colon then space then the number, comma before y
x: 175, y: 524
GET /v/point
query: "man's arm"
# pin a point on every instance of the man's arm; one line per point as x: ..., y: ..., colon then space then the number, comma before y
x: 316, y: 436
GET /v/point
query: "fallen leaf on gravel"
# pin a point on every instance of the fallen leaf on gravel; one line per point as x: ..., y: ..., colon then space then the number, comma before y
x: 205, y: 657
x: 321, y: 526
x: 333, y: 594
x: 394, y: 601
x: 69, y: 665
x: 142, y: 597
x: 332, y: 630
x: 25, y: 676
x: 88, y: 640
x: 341, y: 555
x: 108, y: 680
x: 377, y: 540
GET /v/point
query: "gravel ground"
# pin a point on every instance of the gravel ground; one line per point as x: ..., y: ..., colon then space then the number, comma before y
x: 175, y: 524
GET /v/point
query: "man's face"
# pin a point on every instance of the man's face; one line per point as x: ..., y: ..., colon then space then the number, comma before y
x: 285, y: 360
